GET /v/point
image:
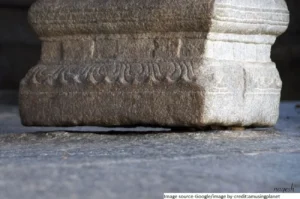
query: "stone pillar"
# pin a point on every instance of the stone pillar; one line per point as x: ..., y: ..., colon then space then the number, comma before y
x: 154, y: 62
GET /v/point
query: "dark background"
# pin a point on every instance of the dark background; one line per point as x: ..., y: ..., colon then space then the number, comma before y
x: 20, y: 47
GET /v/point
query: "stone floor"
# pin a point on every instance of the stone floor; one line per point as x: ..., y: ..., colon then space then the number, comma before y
x: 91, y: 162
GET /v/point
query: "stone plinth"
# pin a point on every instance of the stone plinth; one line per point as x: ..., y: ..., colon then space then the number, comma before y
x: 154, y: 62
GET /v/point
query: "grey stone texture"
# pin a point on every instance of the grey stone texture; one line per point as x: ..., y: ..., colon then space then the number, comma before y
x: 158, y: 63
x: 114, y: 163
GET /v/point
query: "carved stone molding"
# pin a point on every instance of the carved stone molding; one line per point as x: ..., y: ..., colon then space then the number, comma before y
x: 154, y: 62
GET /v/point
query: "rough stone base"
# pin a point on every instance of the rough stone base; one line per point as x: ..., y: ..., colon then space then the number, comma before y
x: 158, y: 63
x: 193, y: 95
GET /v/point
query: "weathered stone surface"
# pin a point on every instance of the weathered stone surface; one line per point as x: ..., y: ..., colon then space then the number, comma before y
x: 162, y: 63
x: 114, y: 163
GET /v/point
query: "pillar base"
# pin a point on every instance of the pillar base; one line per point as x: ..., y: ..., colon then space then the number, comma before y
x: 166, y: 63
x: 163, y: 93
